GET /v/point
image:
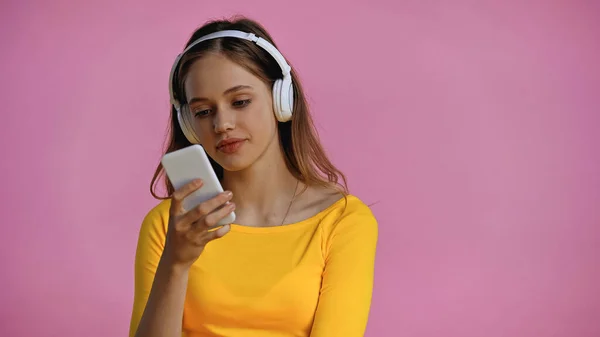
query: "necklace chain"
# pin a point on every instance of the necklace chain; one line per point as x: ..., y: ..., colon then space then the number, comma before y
x: 291, y: 203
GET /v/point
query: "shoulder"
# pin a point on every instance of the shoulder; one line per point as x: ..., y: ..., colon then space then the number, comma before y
x: 349, y: 228
x: 354, y: 210
x: 349, y: 214
x: 156, y: 220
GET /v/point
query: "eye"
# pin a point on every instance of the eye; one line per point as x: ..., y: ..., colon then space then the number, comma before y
x: 241, y: 103
x: 201, y: 113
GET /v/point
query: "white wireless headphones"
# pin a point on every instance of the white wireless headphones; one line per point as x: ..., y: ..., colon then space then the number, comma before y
x: 283, y: 90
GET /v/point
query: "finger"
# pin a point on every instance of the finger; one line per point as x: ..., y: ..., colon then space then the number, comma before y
x: 206, y: 207
x: 203, y: 238
x: 219, y: 233
x: 180, y: 194
x: 213, y: 218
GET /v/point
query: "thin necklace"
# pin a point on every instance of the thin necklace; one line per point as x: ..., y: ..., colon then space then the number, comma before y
x: 291, y: 202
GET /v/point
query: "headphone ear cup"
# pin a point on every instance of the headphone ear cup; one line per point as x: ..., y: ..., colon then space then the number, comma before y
x: 185, y: 126
x: 283, y: 99
x: 277, y: 99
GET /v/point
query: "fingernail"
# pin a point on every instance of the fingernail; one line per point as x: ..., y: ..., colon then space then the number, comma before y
x: 228, y: 193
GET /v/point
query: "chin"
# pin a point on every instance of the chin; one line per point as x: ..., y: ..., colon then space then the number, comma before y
x: 239, y: 159
x: 233, y: 163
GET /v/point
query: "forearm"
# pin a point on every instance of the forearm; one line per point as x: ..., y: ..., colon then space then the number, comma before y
x: 164, y: 310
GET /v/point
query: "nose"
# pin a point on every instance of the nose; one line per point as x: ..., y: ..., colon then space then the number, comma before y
x: 224, y: 120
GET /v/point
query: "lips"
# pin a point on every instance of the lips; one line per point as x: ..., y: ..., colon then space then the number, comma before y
x: 230, y: 145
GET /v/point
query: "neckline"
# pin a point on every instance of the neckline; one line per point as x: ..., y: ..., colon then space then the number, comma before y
x: 234, y: 227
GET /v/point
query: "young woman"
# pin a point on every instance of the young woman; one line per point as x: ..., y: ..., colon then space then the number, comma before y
x: 299, y: 259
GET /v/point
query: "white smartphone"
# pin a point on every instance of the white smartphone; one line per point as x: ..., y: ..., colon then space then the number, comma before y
x: 190, y: 163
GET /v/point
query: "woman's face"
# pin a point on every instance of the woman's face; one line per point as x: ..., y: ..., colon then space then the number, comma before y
x: 231, y: 110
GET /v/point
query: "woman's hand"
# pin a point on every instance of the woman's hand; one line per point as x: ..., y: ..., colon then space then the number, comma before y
x: 188, y: 232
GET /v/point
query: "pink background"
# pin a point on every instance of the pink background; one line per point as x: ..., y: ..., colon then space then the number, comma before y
x: 473, y: 126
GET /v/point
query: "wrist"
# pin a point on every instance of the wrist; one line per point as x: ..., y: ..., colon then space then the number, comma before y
x: 172, y: 267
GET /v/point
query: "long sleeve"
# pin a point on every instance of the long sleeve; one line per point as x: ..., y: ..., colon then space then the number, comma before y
x: 346, y: 290
x: 148, y: 253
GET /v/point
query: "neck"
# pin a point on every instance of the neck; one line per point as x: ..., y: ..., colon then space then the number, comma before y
x: 263, y: 191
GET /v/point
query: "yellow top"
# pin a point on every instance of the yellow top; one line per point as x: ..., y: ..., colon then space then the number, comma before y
x: 311, y: 278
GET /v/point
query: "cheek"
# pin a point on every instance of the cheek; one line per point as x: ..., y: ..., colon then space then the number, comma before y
x: 262, y: 119
x: 205, y: 131
x: 260, y: 128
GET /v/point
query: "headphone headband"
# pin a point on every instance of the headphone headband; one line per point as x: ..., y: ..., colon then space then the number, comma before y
x: 264, y: 44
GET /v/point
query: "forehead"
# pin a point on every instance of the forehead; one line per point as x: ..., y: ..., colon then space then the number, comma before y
x: 213, y: 74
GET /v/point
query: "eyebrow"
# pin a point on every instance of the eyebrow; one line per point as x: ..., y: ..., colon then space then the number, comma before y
x: 228, y: 91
